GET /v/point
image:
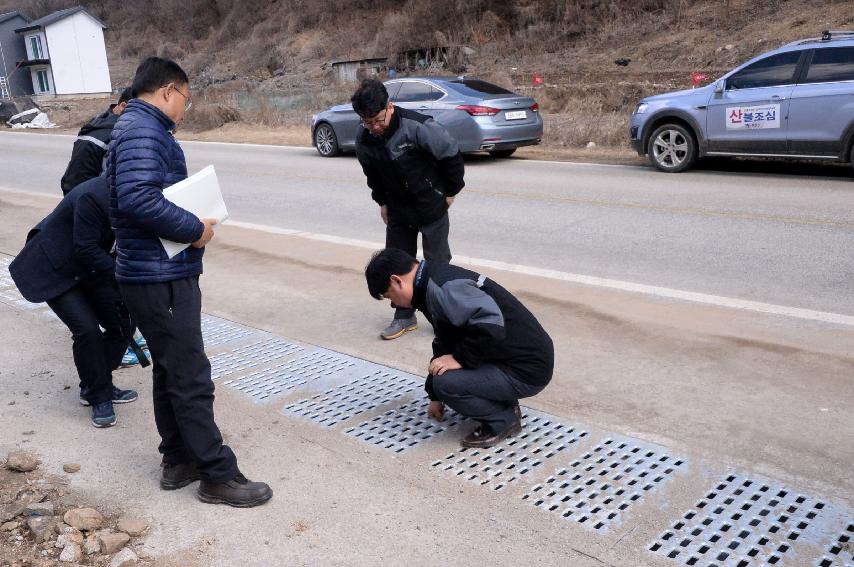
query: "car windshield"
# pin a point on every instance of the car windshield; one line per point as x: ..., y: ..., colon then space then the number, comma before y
x: 476, y: 87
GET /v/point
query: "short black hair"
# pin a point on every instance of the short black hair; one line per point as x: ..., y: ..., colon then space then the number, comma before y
x: 370, y: 98
x: 126, y: 95
x: 156, y: 72
x: 383, y: 265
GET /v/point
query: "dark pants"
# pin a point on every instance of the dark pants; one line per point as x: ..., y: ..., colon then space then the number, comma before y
x: 84, y: 309
x: 434, y: 241
x: 486, y: 394
x: 169, y: 316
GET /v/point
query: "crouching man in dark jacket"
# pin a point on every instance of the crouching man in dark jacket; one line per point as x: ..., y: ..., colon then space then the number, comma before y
x: 67, y: 263
x: 489, y: 350
x: 162, y: 293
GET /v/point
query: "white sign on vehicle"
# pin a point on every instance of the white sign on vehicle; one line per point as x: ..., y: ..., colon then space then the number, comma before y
x: 516, y: 115
x: 753, y: 117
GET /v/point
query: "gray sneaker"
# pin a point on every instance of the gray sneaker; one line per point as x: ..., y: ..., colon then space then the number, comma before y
x: 399, y: 326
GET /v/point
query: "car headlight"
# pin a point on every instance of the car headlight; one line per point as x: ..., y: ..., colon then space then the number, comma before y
x: 642, y: 107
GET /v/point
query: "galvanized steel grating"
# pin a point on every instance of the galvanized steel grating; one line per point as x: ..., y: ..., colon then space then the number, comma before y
x: 216, y: 331
x: 741, y: 522
x: 363, y: 394
x: 841, y: 551
x: 251, y: 355
x: 405, y: 427
x: 597, y: 488
x: 542, y: 438
x: 266, y: 384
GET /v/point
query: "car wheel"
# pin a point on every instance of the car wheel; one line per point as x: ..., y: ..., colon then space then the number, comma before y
x: 502, y: 153
x: 325, y: 141
x: 672, y: 148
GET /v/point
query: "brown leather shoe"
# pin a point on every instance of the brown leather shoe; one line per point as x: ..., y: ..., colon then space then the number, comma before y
x: 238, y: 492
x: 178, y: 476
x: 484, y: 438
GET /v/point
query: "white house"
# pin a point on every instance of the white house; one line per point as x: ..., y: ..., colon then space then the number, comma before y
x: 66, y: 55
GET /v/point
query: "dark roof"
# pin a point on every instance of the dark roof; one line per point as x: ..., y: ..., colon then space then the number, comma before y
x: 10, y: 15
x: 55, y: 17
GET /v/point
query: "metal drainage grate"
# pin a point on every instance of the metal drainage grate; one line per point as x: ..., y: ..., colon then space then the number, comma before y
x: 364, y: 394
x: 217, y: 331
x: 542, y: 438
x: 740, y: 523
x: 597, y: 488
x: 251, y: 355
x: 841, y: 552
x: 405, y: 427
x: 266, y: 384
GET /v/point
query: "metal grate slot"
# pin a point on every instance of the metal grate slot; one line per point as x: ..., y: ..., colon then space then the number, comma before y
x: 216, y: 331
x: 267, y: 384
x: 251, y: 355
x: 542, y: 438
x: 841, y: 551
x: 598, y: 488
x: 364, y: 394
x: 405, y: 427
x: 741, y: 522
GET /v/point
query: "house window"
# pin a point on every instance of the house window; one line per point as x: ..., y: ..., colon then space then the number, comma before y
x: 36, y: 47
x: 44, y: 86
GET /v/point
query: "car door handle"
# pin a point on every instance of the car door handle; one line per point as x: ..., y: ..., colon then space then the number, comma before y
x: 777, y: 98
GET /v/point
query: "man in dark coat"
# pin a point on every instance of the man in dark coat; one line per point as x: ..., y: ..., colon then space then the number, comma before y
x: 489, y: 350
x: 162, y: 293
x: 91, y: 145
x: 67, y: 263
x: 415, y: 170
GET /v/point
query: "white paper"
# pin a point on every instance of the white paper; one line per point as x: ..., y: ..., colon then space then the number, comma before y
x: 200, y: 195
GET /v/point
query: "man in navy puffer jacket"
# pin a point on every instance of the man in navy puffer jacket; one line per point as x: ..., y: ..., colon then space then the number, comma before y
x: 162, y: 293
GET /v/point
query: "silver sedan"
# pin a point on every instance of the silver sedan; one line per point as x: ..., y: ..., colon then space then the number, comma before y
x: 480, y: 115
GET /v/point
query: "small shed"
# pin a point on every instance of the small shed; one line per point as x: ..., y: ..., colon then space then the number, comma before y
x: 357, y: 70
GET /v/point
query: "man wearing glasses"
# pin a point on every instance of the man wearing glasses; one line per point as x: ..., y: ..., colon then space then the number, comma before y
x: 415, y: 170
x: 162, y: 293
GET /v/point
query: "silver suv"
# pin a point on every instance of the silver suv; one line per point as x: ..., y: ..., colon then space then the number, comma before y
x: 794, y: 102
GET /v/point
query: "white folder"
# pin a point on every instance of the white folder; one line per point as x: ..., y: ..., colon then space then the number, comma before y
x: 200, y: 195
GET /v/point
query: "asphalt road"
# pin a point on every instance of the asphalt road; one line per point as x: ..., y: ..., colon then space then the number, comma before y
x: 771, y: 234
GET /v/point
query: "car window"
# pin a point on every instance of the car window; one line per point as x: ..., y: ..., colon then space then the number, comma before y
x: 769, y: 72
x: 413, y: 91
x: 477, y: 88
x: 392, y: 89
x: 831, y: 64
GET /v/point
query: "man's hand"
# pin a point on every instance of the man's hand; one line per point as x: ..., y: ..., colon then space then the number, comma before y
x: 207, y: 234
x: 450, y: 201
x: 436, y: 410
x: 384, y: 213
x: 440, y: 365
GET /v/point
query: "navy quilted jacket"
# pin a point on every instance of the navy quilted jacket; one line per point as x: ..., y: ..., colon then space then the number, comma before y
x: 144, y: 159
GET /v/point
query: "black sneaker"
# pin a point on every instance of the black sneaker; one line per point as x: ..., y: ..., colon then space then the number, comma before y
x: 119, y: 397
x: 238, y: 492
x: 173, y: 477
x: 103, y: 415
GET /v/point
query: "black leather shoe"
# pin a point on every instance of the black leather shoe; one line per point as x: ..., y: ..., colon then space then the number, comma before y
x: 238, y: 492
x: 178, y: 476
x: 483, y: 437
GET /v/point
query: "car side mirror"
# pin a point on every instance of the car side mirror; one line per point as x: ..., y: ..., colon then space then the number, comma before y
x: 719, y: 86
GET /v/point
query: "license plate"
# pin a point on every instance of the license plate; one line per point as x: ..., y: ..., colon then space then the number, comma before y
x: 516, y: 115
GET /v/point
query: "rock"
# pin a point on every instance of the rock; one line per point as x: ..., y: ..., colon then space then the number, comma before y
x: 68, y: 538
x: 39, y: 509
x: 71, y: 467
x: 84, y: 519
x: 9, y: 526
x: 71, y: 553
x: 591, y: 145
x: 14, y: 509
x: 124, y: 558
x: 41, y: 528
x: 92, y: 546
x: 22, y: 461
x: 132, y: 526
x: 729, y: 47
x: 111, y: 543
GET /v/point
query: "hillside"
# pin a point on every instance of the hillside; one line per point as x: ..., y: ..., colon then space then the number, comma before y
x: 267, y: 62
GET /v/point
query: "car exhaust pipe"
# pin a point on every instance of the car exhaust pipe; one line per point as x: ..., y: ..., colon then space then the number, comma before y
x: 487, y: 146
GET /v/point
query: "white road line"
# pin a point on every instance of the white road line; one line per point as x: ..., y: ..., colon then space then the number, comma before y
x: 593, y: 281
